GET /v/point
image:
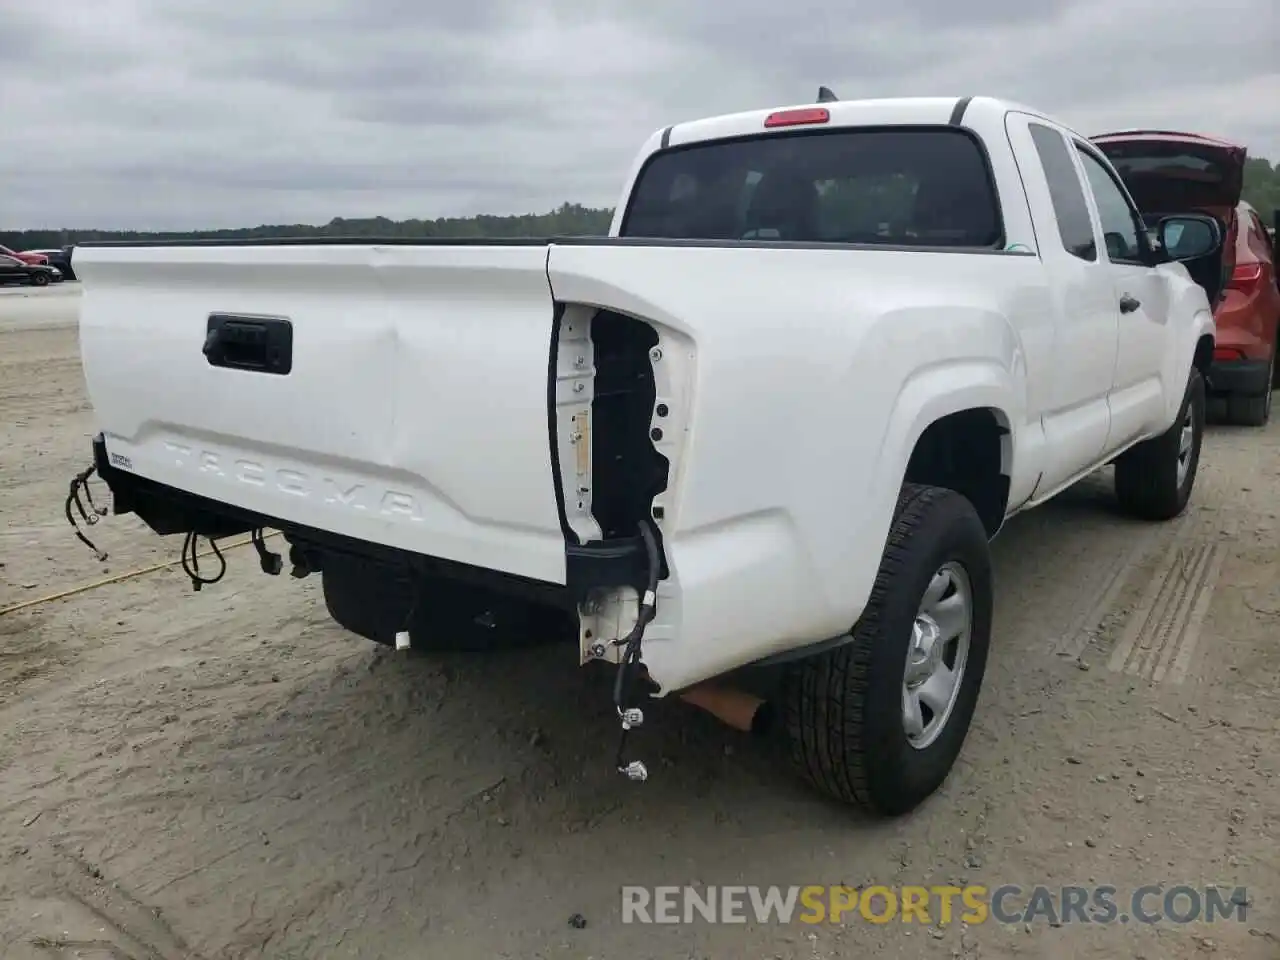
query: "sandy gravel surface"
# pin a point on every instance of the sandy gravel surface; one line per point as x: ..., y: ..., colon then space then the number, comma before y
x: 227, y: 774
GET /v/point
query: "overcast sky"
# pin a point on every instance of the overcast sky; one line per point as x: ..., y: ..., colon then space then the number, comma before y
x: 201, y: 113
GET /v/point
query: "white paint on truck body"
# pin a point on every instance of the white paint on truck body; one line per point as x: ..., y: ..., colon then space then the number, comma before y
x: 799, y: 380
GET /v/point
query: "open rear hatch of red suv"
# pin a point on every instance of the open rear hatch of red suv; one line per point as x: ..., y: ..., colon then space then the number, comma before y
x: 1169, y: 173
x: 1173, y: 173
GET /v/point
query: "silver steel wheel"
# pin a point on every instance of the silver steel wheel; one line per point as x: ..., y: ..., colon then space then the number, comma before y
x: 938, y: 655
x: 1186, y: 440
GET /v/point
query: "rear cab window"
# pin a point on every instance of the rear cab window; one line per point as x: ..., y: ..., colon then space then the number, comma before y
x: 927, y: 187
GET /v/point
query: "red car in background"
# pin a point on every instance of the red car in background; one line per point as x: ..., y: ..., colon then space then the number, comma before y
x: 1170, y: 173
x: 33, y: 258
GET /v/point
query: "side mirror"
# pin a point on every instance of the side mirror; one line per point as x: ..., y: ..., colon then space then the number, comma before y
x: 1188, y: 236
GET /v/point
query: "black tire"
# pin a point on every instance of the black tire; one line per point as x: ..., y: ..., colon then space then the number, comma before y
x: 1249, y: 411
x: 844, y: 709
x: 39, y: 279
x: 1147, y: 481
x: 1254, y: 411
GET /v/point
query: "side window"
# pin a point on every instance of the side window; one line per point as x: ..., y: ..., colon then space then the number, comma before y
x: 1120, y: 225
x: 1069, y: 205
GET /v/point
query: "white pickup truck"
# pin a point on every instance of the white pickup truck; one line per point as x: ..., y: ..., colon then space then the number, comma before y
x: 773, y: 418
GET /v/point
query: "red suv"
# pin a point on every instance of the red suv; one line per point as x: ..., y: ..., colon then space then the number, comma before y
x: 1170, y: 173
x: 33, y: 258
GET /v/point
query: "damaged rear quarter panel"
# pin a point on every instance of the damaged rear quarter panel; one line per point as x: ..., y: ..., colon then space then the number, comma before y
x: 799, y: 418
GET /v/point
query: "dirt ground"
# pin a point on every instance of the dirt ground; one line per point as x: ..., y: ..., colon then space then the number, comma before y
x: 226, y: 774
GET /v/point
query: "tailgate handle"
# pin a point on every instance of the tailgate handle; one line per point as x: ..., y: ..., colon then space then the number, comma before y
x: 257, y: 344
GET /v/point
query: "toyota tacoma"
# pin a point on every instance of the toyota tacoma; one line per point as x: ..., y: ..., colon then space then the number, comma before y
x: 774, y: 418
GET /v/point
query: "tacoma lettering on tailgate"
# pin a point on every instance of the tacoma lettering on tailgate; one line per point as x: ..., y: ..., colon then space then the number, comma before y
x: 344, y: 493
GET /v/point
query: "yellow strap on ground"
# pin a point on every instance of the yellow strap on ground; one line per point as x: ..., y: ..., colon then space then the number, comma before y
x: 106, y: 581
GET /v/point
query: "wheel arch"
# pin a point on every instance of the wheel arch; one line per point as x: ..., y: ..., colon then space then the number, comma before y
x: 969, y: 451
x: 1202, y: 358
x: 954, y: 426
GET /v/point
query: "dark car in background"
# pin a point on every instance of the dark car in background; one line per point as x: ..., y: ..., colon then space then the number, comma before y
x: 60, y: 258
x: 13, y: 270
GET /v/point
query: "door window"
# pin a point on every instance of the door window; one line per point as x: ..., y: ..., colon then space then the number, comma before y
x: 1122, y: 229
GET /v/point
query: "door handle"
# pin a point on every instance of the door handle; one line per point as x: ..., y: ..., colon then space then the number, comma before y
x: 1129, y: 304
x: 256, y: 344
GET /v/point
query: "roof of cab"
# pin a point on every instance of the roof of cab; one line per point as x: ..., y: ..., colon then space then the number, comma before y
x: 847, y: 113
x: 843, y: 113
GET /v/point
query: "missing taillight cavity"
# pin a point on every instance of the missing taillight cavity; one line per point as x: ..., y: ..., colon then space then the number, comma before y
x: 627, y: 472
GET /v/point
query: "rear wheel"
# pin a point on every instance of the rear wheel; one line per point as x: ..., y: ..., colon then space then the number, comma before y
x: 1249, y: 411
x: 1154, y: 479
x: 1253, y: 411
x: 879, y: 721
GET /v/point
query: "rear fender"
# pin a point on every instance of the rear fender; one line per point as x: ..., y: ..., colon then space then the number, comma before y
x: 803, y: 380
x: 929, y: 395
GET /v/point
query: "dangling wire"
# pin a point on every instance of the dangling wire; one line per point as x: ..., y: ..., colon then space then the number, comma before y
x: 191, y: 561
x: 271, y: 563
x: 79, y: 487
x: 631, y: 653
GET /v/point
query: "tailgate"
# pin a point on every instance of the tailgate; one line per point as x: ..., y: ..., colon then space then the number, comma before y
x: 407, y: 404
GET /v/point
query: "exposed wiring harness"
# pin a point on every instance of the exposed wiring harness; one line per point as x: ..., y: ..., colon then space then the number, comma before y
x: 77, y: 496
x: 631, y: 717
x: 191, y: 561
x: 271, y: 563
x: 417, y: 574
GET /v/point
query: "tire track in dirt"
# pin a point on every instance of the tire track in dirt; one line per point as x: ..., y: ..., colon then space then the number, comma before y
x: 143, y: 929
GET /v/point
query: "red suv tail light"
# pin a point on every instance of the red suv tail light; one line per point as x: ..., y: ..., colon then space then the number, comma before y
x: 1246, y: 277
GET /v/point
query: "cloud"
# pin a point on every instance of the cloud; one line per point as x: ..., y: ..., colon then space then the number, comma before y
x: 201, y: 113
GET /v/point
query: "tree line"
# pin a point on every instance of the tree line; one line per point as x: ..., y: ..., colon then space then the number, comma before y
x: 1261, y: 189
x: 568, y: 220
